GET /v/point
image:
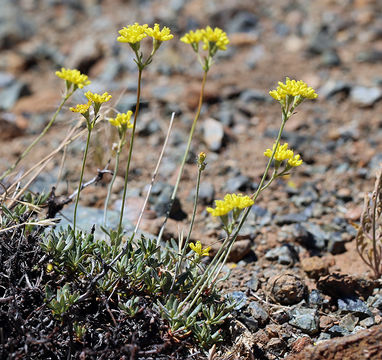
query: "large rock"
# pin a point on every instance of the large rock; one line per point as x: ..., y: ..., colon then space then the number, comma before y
x: 366, y: 344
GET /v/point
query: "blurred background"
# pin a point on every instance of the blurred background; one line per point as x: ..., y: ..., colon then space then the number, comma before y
x: 334, y: 46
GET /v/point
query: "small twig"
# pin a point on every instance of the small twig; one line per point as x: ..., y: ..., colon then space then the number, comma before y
x: 95, y: 180
x: 45, y: 222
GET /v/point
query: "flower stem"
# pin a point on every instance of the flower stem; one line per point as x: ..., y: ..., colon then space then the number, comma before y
x: 116, y: 167
x: 223, y: 252
x: 130, y: 152
x: 173, y: 195
x: 80, y: 182
x: 35, y: 141
x: 184, y: 250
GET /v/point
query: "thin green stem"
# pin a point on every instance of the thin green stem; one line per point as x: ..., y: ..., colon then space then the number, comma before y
x: 35, y: 141
x: 116, y: 167
x: 225, y: 247
x: 130, y: 152
x: 180, y: 173
x: 184, y: 250
x: 80, y: 182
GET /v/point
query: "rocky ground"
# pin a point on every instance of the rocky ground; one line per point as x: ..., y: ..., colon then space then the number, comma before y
x: 295, y: 265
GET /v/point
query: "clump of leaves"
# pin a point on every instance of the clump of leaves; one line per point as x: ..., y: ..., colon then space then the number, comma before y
x: 369, y: 235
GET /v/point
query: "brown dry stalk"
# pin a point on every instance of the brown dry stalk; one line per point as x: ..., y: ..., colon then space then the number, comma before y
x: 369, y: 235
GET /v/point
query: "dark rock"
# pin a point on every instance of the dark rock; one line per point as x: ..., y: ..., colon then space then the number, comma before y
x: 249, y: 322
x: 287, y: 289
x: 280, y: 316
x: 296, y: 232
x: 333, y: 87
x: 160, y: 198
x: 261, y: 215
x: 9, y: 127
x: 375, y: 301
x: 340, y: 285
x: 253, y: 283
x: 336, y: 244
x: 243, y: 21
x: 285, y: 254
x: 85, y: 54
x: 290, y: 218
x: 321, y: 42
x: 355, y: 306
x: 337, y: 330
x: 225, y: 115
x: 365, y: 96
x: 318, y: 236
x: 13, y: 27
x: 348, y: 347
x: 305, y: 319
x: 372, y: 56
x: 239, y: 297
x: 206, y: 193
x: 129, y: 101
x: 276, y: 346
x: 254, y: 95
x: 330, y: 58
x: 315, y: 298
x: 238, y: 183
x: 10, y: 94
x: 258, y: 312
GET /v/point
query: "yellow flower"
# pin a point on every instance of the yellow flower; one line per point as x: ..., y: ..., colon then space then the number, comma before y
x: 192, y: 37
x: 217, y: 36
x: 157, y: 34
x: 282, y: 152
x: 98, y: 99
x: 295, y: 161
x: 198, y: 249
x: 73, y: 76
x: 293, y: 88
x: 122, y: 120
x: 81, y: 108
x: 230, y: 202
x: 132, y: 33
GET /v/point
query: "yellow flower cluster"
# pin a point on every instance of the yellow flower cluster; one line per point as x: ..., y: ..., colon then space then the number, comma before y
x: 73, y: 76
x: 230, y: 202
x: 81, y: 108
x: 293, y: 88
x: 135, y: 33
x: 283, y: 153
x: 192, y: 37
x: 198, y: 249
x: 98, y: 99
x: 160, y: 35
x: 132, y: 34
x: 217, y: 36
x: 207, y: 35
x: 122, y: 120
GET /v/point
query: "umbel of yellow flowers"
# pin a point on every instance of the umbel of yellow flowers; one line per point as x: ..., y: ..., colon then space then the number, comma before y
x: 283, y: 153
x: 133, y: 34
x: 230, y: 202
x: 197, y: 248
x: 122, y: 120
x: 208, y: 35
x: 73, y: 77
x: 293, y: 88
